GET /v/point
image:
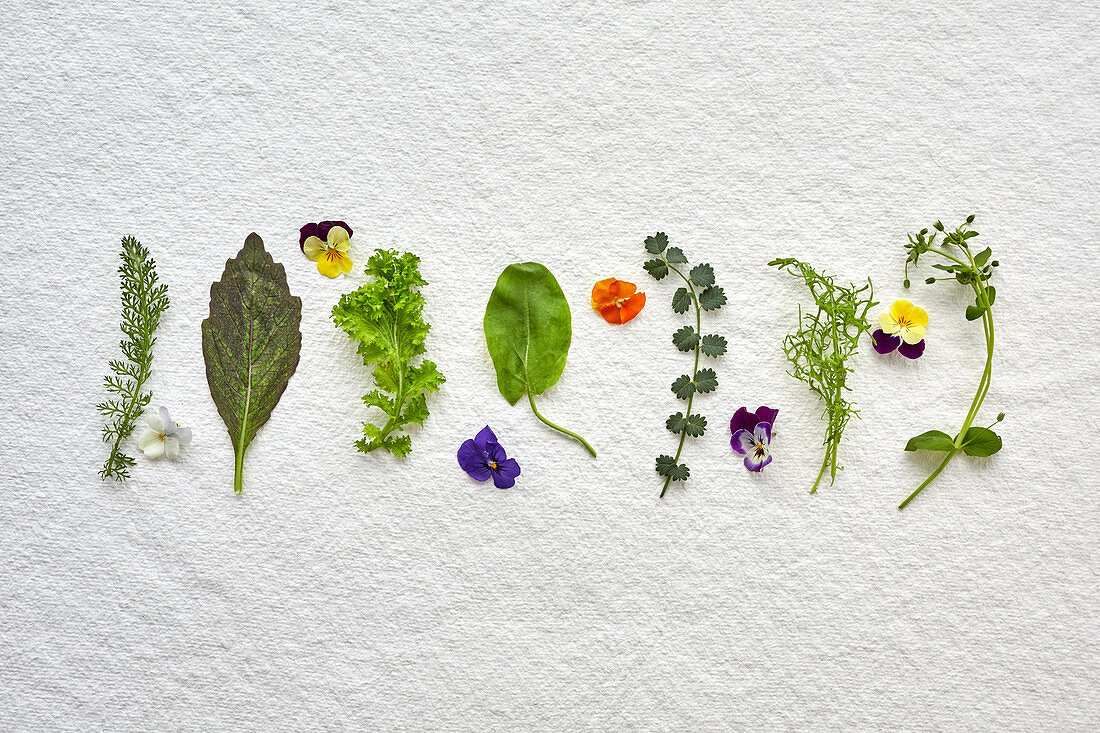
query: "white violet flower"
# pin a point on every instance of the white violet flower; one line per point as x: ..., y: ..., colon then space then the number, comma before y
x: 164, y: 437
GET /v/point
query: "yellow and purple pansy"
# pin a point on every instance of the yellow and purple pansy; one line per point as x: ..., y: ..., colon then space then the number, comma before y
x: 752, y: 436
x: 327, y: 243
x: 902, y: 329
x: 483, y: 458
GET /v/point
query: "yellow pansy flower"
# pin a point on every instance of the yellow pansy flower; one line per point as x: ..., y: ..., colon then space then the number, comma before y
x: 330, y: 254
x: 904, y: 320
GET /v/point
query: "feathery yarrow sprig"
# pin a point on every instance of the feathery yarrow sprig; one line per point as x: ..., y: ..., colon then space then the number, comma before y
x: 143, y: 303
x: 699, y: 289
x: 819, y: 350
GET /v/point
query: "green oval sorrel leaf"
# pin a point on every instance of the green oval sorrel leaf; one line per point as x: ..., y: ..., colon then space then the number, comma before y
x: 528, y: 330
x: 251, y: 343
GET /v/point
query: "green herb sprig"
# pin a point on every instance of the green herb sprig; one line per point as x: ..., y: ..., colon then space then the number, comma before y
x: 819, y: 350
x: 974, y: 271
x: 143, y: 303
x: 699, y: 289
x: 385, y: 316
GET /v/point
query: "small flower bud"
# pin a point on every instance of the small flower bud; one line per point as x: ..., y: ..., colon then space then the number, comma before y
x: 930, y: 280
x: 994, y: 263
x: 938, y: 225
x: 1000, y: 417
x: 906, y: 283
x: 970, y: 219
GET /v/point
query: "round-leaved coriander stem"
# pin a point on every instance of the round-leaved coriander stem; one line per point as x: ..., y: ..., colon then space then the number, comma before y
x: 559, y: 428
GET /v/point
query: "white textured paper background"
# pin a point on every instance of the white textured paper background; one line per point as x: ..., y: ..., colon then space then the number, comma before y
x: 351, y: 591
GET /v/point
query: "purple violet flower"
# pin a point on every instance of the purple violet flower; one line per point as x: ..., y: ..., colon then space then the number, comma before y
x: 319, y: 230
x: 885, y: 343
x: 483, y: 458
x: 752, y: 436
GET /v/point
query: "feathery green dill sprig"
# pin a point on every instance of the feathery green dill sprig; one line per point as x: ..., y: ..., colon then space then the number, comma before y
x: 820, y: 348
x: 143, y: 302
x: 699, y: 289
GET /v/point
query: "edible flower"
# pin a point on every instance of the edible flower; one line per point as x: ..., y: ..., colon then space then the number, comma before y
x: 483, y: 458
x: 617, y: 300
x: 903, y: 329
x: 327, y: 243
x: 752, y: 436
x: 164, y: 436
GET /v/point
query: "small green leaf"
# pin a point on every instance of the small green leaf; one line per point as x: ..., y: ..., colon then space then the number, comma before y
x: 934, y: 440
x: 686, y: 339
x: 681, y: 301
x: 667, y: 466
x: 981, y: 442
x: 683, y: 387
x: 706, y: 380
x: 982, y: 257
x: 713, y: 345
x: 973, y: 312
x: 656, y: 268
x: 656, y: 244
x: 702, y: 275
x: 991, y: 294
x: 947, y: 268
x: 696, y: 425
x: 712, y: 298
x: 675, y: 256
x: 676, y: 423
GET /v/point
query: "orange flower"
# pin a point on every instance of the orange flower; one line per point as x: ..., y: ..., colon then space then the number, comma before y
x: 617, y: 300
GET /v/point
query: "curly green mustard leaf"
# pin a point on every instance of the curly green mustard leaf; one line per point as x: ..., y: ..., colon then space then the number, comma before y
x: 385, y: 317
x: 681, y: 301
x: 713, y: 345
x: 685, y: 338
x: 251, y: 343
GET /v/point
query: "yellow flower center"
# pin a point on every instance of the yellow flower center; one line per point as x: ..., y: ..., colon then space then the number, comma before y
x: 493, y: 465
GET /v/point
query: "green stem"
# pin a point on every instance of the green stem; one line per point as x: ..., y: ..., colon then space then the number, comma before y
x: 695, y: 371
x: 982, y: 298
x: 559, y: 428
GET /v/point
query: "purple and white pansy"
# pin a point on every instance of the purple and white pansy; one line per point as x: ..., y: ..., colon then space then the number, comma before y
x: 483, y: 458
x: 752, y: 436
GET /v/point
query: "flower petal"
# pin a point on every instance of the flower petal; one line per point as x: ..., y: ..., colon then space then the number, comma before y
x: 307, y: 231
x: 900, y: 309
x: 314, y: 248
x: 884, y: 343
x: 763, y: 432
x: 611, y: 313
x: 472, y: 460
x: 329, y: 265
x: 496, y: 453
x: 154, y: 449
x: 631, y: 307
x: 742, y: 442
x: 756, y: 464
x: 912, y: 334
x: 484, y: 438
x: 324, y: 227
x: 766, y: 414
x: 167, y: 426
x: 743, y: 420
x: 504, y: 481
x: 339, y: 238
x: 171, y: 447
x: 918, y: 316
x: 183, y: 435
x: 912, y: 351
x: 601, y: 293
x: 620, y: 289
x: 509, y: 468
x: 147, y: 438
x: 155, y: 422
x: 888, y: 323
x: 345, y: 264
